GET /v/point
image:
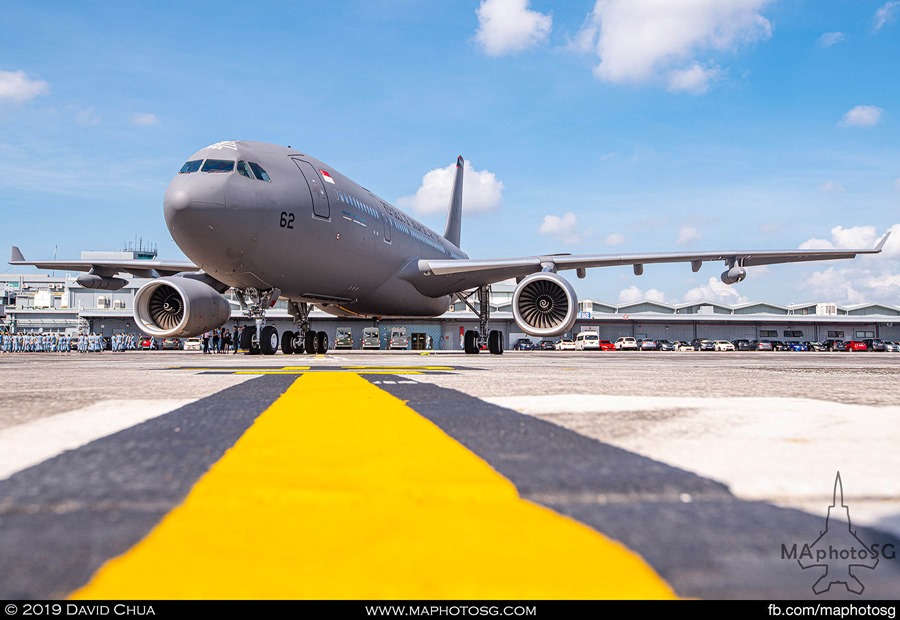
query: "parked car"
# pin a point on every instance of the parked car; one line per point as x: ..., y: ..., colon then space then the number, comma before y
x: 665, y: 345
x: 891, y: 347
x: 761, y: 345
x: 814, y: 346
x: 793, y: 345
x: 648, y: 344
x: 587, y: 341
x: 742, y: 344
x: 722, y: 345
x: 193, y: 344
x: 778, y: 345
x: 834, y: 345
x: 626, y: 343
x: 683, y: 345
x: 875, y: 344
x: 148, y: 344
x: 565, y: 344
x: 606, y: 345
x: 546, y: 345
x: 702, y: 344
x: 171, y: 344
x: 523, y: 344
x: 855, y: 345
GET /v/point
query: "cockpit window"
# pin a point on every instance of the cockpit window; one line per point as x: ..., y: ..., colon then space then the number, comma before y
x: 244, y: 170
x: 218, y: 165
x: 191, y: 166
x: 259, y: 172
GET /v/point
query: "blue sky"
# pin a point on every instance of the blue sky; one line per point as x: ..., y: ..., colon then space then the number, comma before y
x: 607, y: 126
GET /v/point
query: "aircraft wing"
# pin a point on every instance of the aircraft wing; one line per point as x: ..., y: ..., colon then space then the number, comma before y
x: 464, y: 274
x: 139, y: 268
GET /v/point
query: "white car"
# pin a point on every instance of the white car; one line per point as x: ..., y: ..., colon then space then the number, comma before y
x: 193, y: 344
x: 626, y: 343
x: 723, y: 345
x: 681, y: 345
x: 587, y: 341
x: 565, y: 345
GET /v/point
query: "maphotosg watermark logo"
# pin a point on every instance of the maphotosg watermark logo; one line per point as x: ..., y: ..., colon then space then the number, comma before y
x: 838, y: 551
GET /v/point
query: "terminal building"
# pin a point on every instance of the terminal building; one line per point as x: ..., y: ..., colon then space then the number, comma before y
x: 51, y: 302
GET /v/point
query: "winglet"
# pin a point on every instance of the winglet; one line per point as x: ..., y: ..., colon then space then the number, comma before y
x: 16, y: 256
x: 881, y: 243
x: 454, y: 215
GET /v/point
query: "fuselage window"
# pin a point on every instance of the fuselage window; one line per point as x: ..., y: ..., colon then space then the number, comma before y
x: 218, y: 165
x: 244, y: 170
x: 259, y: 172
x: 191, y: 166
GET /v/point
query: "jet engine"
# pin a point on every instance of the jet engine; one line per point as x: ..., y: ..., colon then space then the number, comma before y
x: 545, y: 304
x: 734, y: 275
x: 179, y: 307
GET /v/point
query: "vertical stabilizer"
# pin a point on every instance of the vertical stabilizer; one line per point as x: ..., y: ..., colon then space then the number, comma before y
x: 454, y: 217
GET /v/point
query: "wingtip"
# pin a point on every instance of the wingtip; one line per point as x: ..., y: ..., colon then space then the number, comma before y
x: 16, y: 256
x: 460, y: 161
x: 881, y: 243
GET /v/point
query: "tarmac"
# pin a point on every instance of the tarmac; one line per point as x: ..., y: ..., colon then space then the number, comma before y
x: 437, y: 475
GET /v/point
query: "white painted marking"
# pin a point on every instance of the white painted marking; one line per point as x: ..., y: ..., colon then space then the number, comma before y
x: 28, y: 444
x: 782, y: 450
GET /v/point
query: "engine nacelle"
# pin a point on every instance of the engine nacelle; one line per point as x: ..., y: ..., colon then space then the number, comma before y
x: 104, y: 283
x: 734, y: 275
x: 544, y: 304
x: 179, y: 307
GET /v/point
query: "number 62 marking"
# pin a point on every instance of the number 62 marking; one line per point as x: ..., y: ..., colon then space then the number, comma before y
x: 287, y: 220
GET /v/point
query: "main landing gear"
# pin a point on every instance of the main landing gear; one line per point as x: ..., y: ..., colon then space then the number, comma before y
x: 474, y: 341
x: 262, y: 339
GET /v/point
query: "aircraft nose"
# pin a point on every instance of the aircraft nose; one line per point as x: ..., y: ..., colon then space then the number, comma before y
x: 193, y: 210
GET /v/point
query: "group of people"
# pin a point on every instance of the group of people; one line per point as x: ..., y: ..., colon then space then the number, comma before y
x: 222, y: 340
x: 49, y: 342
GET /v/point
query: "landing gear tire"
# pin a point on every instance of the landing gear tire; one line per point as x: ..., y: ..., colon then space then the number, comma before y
x: 321, y: 342
x: 268, y: 340
x: 247, y: 341
x: 471, y: 342
x: 310, y: 342
x: 287, y: 343
x: 297, y: 344
x: 495, y: 342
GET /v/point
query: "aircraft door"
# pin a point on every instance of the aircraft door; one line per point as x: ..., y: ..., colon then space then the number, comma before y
x: 316, y: 187
x: 385, y: 219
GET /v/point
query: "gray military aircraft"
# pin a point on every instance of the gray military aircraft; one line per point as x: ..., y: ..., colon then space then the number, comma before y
x: 270, y: 222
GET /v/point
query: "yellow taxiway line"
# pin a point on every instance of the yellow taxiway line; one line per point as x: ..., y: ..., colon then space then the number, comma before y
x: 340, y: 491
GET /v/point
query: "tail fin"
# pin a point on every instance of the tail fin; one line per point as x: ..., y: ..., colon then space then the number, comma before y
x: 454, y: 217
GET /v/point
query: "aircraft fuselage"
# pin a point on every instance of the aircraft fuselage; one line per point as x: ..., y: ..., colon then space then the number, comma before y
x: 262, y: 216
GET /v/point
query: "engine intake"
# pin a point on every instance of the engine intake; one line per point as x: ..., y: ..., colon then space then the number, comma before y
x: 545, y: 304
x: 179, y: 307
x: 734, y: 275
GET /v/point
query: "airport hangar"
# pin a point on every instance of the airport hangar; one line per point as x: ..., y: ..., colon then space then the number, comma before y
x: 44, y: 302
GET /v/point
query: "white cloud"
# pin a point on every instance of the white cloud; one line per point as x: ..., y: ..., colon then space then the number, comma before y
x: 18, y: 87
x: 87, y: 117
x: 509, y: 26
x: 633, y: 294
x: 145, y: 119
x: 694, y: 80
x: 481, y: 191
x: 687, y: 235
x: 640, y: 41
x: 867, y: 278
x: 715, y: 290
x: 832, y: 186
x: 832, y: 38
x: 614, y: 239
x: 885, y: 13
x: 565, y: 228
x: 862, y: 116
